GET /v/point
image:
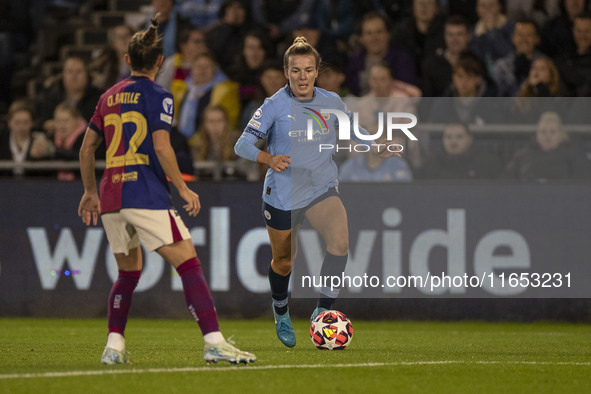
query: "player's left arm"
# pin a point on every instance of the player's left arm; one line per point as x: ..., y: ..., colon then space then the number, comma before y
x: 89, y: 206
x: 169, y: 164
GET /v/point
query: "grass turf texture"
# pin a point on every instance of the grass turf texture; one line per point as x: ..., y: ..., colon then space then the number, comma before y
x: 383, y: 357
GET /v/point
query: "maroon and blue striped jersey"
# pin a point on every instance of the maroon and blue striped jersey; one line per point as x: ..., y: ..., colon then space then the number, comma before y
x: 126, y: 116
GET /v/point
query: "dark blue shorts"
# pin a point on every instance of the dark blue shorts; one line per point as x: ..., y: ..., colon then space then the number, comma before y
x: 285, y: 220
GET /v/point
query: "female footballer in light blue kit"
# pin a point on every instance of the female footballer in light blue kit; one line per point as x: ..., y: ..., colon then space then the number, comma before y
x: 134, y: 117
x: 302, y: 179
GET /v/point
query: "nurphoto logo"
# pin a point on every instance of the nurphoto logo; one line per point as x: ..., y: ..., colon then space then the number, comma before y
x: 391, y: 119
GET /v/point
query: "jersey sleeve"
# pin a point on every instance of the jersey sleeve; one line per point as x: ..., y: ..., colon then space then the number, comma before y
x: 262, y: 120
x: 161, y: 112
x: 96, y: 122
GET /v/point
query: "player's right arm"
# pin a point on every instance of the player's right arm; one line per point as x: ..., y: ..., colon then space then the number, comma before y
x: 167, y: 159
x: 257, y: 128
x: 89, y: 206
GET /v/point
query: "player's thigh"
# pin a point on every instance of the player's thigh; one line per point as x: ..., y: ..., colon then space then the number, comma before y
x: 122, y: 235
x: 178, y: 252
x: 157, y: 227
x: 329, y: 218
x: 132, y: 261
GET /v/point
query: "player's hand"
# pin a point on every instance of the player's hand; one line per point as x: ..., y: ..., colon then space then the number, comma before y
x: 279, y: 163
x: 89, y: 208
x: 193, y: 206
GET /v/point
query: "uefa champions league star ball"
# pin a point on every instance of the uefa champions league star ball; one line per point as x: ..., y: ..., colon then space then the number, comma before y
x: 331, y: 330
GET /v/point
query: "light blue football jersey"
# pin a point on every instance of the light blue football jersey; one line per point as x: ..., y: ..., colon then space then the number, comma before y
x: 283, y: 121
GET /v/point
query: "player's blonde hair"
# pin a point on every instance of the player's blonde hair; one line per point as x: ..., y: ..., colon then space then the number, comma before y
x: 145, y: 47
x: 301, y: 47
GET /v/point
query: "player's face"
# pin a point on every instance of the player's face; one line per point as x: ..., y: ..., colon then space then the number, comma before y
x: 302, y: 73
x: 550, y: 135
x: 20, y: 124
x: 456, y: 140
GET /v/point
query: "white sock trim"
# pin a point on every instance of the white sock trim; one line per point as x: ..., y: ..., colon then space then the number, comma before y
x: 116, y: 341
x: 213, y: 338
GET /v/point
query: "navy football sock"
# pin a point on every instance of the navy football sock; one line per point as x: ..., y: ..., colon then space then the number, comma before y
x: 279, y: 286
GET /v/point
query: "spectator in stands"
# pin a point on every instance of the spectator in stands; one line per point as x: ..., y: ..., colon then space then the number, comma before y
x: 492, y: 34
x: 171, y: 24
x: 247, y: 67
x: 177, y: 68
x: 109, y: 66
x: 463, y: 8
x: 557, y: 36
x: 205, y: 87
x: 325, y: 45
x: 67, y: 138
x: 16, y: 141
x: 225, y: 38
x: 469, y: 85
x: 200, y: 14
x: 543, y: 80
x: 575, y: 65
x: 458, y: 159
x: 332, y: 78
x: 72, y: 86
x: 378, y: 48
x: 437, y: 69
x: 551, y: 156
x: 280, y: 17
x: 510, y: 72
x: 336, y: 20
x: 539, y: 11
x: 393, y: 10
x: 214, y: 141
x: 272, y: 79
x: 422, y: 33
x: 368, y: 167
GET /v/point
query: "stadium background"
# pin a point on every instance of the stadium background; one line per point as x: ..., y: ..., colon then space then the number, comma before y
x: 22, y: 291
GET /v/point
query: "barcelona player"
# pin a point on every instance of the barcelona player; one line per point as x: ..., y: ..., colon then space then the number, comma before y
x: 134, y: 117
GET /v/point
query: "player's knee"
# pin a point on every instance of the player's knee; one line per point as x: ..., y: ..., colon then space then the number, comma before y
x: 282, y: 264
x: 338, y: 247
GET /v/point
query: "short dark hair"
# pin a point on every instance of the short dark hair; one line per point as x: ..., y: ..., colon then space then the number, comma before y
x: 375, y: 15
x: 471, y: 63
x: 458, y: 20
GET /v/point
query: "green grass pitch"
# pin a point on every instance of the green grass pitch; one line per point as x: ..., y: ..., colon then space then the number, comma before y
x: 62, y: 356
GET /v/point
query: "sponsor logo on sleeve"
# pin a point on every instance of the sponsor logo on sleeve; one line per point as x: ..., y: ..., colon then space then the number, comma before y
x: 254, y: 123
x: 166, y: 118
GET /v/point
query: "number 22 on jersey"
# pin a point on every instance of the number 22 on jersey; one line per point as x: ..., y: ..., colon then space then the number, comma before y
x: 131, y: 157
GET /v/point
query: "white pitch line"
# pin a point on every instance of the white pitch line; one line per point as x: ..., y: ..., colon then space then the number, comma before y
x: 267, y: 367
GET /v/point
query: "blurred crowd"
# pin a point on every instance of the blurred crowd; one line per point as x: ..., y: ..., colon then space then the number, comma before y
x: 224, y: 57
